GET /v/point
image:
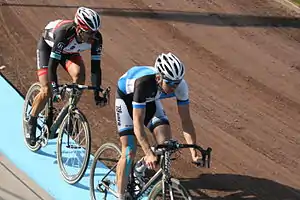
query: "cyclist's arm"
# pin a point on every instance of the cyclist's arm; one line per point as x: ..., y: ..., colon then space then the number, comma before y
x: 189, y: 132
x: 145, y: 87
x: 96, y: 72
x: 55, y: 56
x: 139, y: 131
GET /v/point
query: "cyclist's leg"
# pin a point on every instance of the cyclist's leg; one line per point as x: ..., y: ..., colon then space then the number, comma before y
x: 128, y: 142
x: 39, y: 102
x: 74, y: 65
x: 43, y: 54
x: 159, y: 124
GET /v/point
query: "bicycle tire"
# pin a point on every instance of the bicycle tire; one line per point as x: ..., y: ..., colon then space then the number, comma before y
x: 33, y: 88
x: 97, y: 157
x: 72, y: 179
x: 157, y: 189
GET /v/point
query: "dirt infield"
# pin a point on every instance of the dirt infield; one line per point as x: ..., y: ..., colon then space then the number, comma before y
x: 243, y: 69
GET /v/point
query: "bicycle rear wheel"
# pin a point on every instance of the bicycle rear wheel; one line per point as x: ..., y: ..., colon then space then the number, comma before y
x: 106, y: 158
x: 177, y: 191
x: 76, y: 142
x: 27, y: 107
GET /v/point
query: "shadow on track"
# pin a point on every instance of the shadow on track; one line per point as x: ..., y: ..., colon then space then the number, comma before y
x: 236, y: 187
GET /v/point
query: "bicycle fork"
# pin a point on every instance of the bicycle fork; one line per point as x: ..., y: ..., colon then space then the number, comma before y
x: 71, y: 123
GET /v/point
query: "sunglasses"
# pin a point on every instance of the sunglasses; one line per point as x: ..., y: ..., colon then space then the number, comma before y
x: 89, y: 33
x: 171, y: 83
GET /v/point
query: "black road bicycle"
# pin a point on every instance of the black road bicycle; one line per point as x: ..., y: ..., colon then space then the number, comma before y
x: 74, y: 135
x: 160, y: 186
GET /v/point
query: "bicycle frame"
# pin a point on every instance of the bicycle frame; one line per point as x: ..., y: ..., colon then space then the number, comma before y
x: 74, y: 91
x: 67, y: 108
x: 165, y: 163
x: 164, y: 171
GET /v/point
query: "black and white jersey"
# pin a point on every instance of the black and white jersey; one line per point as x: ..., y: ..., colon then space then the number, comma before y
x: 60, y: 36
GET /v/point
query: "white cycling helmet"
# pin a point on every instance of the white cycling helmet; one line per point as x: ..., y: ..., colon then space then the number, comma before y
x: 87, y: 19
x: 170, y: 67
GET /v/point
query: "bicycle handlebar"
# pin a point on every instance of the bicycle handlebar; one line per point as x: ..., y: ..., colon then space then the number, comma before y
x: 105, y: 92
x: 174, y: 145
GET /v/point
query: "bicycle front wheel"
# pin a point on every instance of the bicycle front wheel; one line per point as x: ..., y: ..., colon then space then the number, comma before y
x: 104, y: 164
x: 73, y: 146
x: 173, y: 191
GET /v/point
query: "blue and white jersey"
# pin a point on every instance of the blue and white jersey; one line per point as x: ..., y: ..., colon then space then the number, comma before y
x: 139, y: 86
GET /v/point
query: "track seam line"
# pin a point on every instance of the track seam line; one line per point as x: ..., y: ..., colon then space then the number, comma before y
x: 27, y: 186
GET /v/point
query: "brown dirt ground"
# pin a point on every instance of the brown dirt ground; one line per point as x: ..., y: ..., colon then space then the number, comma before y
x: 243, y: 70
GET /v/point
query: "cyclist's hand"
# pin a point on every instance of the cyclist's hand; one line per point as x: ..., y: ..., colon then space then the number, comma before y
x: 197, y: 160
x: 151, y: 161
x: 100, y: 101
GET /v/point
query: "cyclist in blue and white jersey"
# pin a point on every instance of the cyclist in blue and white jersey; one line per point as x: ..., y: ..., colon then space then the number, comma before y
x: 137, y: 104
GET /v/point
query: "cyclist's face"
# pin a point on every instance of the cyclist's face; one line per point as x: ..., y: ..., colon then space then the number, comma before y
x: 86, y: 36
x: 169, y: 86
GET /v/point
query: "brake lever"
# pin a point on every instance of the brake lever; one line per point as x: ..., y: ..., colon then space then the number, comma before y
x: 206, y: 158
x: 62, y: 90
x: 106, y: 94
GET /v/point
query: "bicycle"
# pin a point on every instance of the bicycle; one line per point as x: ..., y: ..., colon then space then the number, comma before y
x: 165, y: 185
x: 69, y: 121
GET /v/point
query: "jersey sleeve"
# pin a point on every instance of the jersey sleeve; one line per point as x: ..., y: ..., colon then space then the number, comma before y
x: 58, y: 44
x: 182, y: 93
x: 56, y: 54
x: 145, y: 89
x: 96, y: 51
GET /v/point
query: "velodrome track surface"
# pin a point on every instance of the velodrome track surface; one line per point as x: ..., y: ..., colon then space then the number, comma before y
x: 243, y: 70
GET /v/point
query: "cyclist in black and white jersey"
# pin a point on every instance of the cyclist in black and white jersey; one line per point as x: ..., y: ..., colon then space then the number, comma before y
x: 61, y: 43
x: 138, y: 104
